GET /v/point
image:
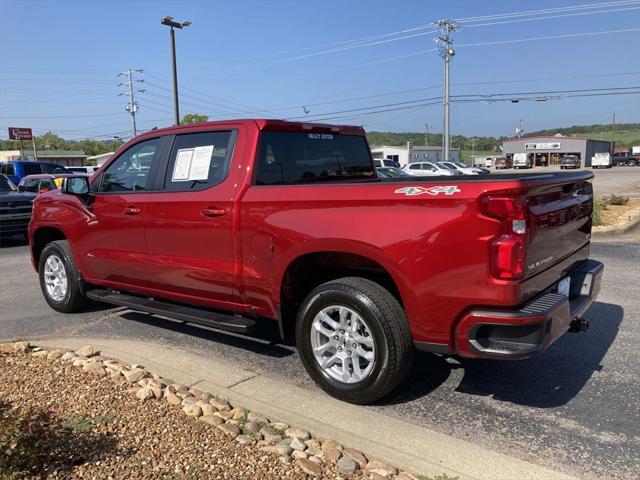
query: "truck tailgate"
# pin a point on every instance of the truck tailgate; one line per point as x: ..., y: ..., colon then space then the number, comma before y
x: 560, y: 216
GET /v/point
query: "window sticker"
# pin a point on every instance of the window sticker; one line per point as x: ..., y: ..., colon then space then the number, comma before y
x: 320, y: 136
x: 201, y: 163
x: 58, y: 182
x: 182, y: 167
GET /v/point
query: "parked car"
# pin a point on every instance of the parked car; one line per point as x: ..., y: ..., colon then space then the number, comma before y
x: 386, y: 162
x: 570, y: 161
x: 522, y: 160
x: 428, y: 169
x: 463, y: 168
x: 85, y: 169
x: 503, y: 163
x: 15, y: 208
x: 391, y: 172
x: 42, y: 183
x: 629, y: 159
x: 248, y: 221
x: 601, y: 160
x: 15, y: 169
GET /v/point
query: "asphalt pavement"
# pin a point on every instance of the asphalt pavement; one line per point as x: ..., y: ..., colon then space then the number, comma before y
x: 574, y: 408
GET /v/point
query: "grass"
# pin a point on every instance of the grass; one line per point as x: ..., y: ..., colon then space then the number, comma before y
x: 598, y: 206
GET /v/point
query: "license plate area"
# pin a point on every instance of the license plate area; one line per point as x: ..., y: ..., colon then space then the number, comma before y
x: 564, y: 286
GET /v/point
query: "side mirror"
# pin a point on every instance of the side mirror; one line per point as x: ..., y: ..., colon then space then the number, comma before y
x: 21, y: 188
x: 75, y: 185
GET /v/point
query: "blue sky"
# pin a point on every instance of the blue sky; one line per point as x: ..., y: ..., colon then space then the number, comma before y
x: 268, y: 58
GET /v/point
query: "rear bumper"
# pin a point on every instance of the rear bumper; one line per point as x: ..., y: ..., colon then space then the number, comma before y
x: 531, y: 329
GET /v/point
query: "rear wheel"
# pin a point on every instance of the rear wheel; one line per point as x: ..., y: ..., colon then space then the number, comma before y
x: 631, y: 163
x: 354, y: 339
x: 60, y: 280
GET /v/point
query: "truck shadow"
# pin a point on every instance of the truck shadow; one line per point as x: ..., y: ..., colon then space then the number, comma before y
x: 264, y: 341
x: 549, y: 380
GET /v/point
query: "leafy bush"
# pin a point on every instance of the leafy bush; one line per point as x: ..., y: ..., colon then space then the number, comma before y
x: 598, y: 206
x: 614, y: 199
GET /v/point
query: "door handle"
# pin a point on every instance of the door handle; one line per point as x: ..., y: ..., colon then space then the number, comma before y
x: 131, y: 211
x: 213, y: 212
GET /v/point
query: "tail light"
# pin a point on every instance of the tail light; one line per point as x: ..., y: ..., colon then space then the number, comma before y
x: 507, y: 251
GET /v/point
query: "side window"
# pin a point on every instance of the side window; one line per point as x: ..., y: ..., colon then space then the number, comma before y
x: 46, y: 185
x: 52, y: 169
x: 32, y: 168
x: 31, y: 185
x: 415, y: 166
x: 198, y: 160
x: 130, y: 171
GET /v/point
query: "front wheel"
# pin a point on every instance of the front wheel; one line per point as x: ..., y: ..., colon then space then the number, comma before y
x: 631, y: 163
x: 60, y: 280
x: 354, y: 339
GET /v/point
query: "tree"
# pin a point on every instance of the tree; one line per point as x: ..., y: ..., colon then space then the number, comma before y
x: 194, y: 118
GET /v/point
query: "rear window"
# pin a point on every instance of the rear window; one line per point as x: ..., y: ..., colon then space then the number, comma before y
x: 51, y: 168
x: 301, y: 157
x: 32, y: 169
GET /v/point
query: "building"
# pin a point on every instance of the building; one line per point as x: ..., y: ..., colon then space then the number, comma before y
x: 99, y: 159
x: 66, y: 158
x: 412, y: 153
x: 545, y: 151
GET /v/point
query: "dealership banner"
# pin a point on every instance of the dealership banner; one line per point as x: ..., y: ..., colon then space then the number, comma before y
x: 16, y: 133
x: 542, y: 146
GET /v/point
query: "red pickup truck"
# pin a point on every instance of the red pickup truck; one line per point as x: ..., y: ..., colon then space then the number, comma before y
x: 228, y: 224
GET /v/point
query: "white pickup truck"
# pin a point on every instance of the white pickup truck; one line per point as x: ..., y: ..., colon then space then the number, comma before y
x: 601, y: 160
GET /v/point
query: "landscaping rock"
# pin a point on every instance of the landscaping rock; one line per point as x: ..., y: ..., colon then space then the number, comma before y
x: 380, y: 468
x: 269, y: 434
x: 244, y: 440
x: 229, y: 429
x: 219, y: 404
x: 355, y: 455
x: 309, y: 467
x: 172, y: 398
x: 253, y: 427
x: 206, y: 407
x: 192, y: 410
x: 333, y: 455
x: 54, y: 355
x: 40, y: 353
x: 95, y: 369
x: 255, y: 417
x: 68, y: 356
x: 346, y: 466
x: 6, y: 348
x: 406, y: 476
x: 225, y: 414
x: 188, y: 401
x: 21, y: 347
x: 145, y: 393
x: 313, y: 443
x: 377, y: 476
x: 298, y: 444
x: 298, y: 454
x: 134, y: 375
x: 85, y: 351
x: 297, y: 433
x: 211, y: 420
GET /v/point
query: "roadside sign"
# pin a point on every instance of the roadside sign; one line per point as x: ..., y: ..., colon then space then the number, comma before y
x: 16, y: 133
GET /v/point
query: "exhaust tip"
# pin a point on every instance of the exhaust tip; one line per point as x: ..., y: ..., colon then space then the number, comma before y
x: 579, y: 324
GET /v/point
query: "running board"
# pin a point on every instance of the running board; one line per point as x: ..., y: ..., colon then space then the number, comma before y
x: 200, y: 316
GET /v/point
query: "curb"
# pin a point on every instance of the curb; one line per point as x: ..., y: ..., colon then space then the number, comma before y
x: 407, y: 446
x: 607, y: 231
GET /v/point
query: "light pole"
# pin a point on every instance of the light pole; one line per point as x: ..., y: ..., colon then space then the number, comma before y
x: 168, y: 21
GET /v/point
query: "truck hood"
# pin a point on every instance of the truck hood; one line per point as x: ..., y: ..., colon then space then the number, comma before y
x: 13, y: 196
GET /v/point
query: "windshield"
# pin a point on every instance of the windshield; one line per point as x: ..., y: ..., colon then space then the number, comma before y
x: 460, y: 164
x: 6, y: 185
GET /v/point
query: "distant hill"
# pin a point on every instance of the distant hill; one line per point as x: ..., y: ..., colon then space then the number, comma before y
x: 625, y: 135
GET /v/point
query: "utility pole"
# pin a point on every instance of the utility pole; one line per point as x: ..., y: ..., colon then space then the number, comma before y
x: 426, y: 134
x: 520, y: 129
x: 169, y: 22
x: 473, y: 147
x: 447, y: 27
x: 613, y: 127
x: 132, y: 106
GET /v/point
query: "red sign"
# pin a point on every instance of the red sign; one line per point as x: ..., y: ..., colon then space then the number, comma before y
x: 20, y: 133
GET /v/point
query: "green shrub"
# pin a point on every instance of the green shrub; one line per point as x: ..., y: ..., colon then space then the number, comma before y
x: 598, y: 206
x: 614, y: 199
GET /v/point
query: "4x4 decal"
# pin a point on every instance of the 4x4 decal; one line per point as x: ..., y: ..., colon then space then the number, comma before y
x: 413, y: 191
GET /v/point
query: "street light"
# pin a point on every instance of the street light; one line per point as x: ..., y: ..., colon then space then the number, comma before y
x: 169, y: 22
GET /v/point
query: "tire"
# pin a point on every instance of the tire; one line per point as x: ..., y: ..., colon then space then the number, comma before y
x: 73, y: 298
x: 631, y: 163
x: 388, y: 332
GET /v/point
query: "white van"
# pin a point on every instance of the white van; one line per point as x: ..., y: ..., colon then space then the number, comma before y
x: 521, y: 160
x: 601, y: 160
